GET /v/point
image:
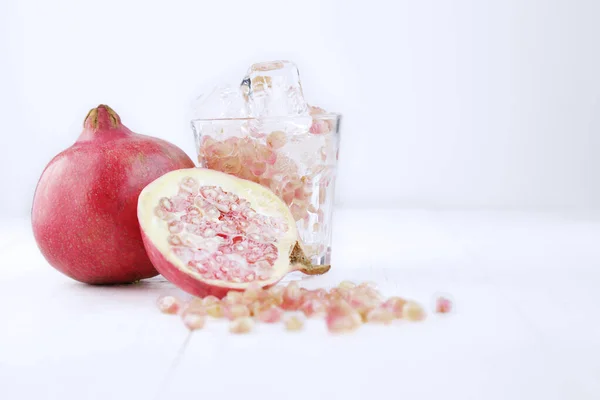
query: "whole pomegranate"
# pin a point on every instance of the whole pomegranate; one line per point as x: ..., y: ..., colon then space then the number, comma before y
x: 84, y: 214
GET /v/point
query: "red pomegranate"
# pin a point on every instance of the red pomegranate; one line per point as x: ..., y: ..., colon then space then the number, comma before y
x: 84, y: 214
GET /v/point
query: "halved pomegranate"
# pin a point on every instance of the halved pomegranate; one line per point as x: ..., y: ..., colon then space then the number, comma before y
x: 209, y: 232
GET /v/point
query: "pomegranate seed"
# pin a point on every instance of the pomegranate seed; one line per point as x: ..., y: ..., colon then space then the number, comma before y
x: 380, y: 315
x: 208, y: 300
x: 175, y: 227
x: 345, y: 307
x: 276, y: 294
x: 233, y: 297
x: 193, y: 211
x: 265, y: 303
x: 166, y: 204
x: 208, y: 233
x: 193, y: 321
x: 370, y: 291
x: 212, y: 212
x: 236, y: 311
x: 174, y: 240
x: 395, y: 305
x: 314, y: 308
x: 413, y: 311
x: 215, y: 310
x: 443, y: 305
x: 241, y: 325
x: 347, y: 285
x: 340, y: 293
x: 253, y: 292
x: 270, y: 315
x: 342, y: 323
x: 258, y: 168
x: 294, y: 323
x: 363, y: 303
x: 341, y: 317
x: 276, y: 139
x: 368, y: 285
x: 208, y: 193
x: 255, y: 308
x: 292, y: 297
x: 189, y: 183
x: 160, y: 213
x: 195, y: 306
x: 169, y: 304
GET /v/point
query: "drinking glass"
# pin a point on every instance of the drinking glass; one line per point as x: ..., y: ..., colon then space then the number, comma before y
x: 295, y: 157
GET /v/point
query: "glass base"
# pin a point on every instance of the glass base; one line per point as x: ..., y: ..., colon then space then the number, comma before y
x: 322, y: 259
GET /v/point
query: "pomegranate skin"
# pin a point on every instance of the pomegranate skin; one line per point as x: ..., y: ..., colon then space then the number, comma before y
x: 84, y: 213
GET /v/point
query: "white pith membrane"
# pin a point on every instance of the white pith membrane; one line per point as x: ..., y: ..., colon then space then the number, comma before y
x: 219, y: 229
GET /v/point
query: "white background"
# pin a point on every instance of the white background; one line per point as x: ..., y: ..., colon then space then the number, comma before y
x: 462, y: 103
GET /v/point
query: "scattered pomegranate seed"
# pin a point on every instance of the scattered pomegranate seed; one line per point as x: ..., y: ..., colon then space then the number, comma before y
x: 195, y: 306
x: 413, y: 311
x: 344, y: 307
x: 343, y: 323
x: 443, y: 305
x: 336, y: 294
x: 395, y: 305
x: 276, y: 294
x: 241, y: 325
x: 253, y: 292
x: 169, y: 304
x: 258, y: 306
x: 362, y: 302
x: 380, y: 315
x: 233, y: 297
x: 314, y: 308
x: 236, y: 311
x: 193, y: 321
x: 208, y: 300
x: 270, y: 315
x: 294, y: 323
x: 347, y: 285
x: 292, y: 297
x: 368, y: 285
x: 215, y: 310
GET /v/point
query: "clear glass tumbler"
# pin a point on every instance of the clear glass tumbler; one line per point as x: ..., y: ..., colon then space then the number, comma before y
x: 294, y: 157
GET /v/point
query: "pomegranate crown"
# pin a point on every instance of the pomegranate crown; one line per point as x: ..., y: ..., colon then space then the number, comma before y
x: 102, y: 117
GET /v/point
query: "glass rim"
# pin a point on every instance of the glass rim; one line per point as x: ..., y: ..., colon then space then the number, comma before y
x: 285, y: 117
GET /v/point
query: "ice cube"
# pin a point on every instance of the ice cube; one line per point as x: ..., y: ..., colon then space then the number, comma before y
x: 224, y: 101
x: 273, y: 89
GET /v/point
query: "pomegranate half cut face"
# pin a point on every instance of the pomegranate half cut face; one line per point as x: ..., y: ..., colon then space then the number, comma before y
x: 209, y: 232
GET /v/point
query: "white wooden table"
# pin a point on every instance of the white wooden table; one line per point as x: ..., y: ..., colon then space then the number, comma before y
x: 526, y: 288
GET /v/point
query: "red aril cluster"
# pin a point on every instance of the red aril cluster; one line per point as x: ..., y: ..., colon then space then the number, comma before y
x: 219, y: 235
